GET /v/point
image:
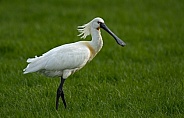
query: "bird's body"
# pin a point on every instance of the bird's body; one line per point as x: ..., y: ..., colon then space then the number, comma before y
x: 64, y: 60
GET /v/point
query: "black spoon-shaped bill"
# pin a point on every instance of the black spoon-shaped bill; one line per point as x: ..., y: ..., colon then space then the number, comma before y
x: 118, y: 40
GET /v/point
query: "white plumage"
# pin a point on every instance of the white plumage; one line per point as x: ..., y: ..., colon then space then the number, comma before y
x: 64, y: 60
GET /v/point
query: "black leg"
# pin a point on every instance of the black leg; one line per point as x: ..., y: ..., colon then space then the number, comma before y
x: 60, y: 93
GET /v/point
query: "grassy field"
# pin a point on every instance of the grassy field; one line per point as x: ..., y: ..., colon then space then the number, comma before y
x: 143, y: 79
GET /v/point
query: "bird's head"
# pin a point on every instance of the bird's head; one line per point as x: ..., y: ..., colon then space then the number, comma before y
x: 97, y: 23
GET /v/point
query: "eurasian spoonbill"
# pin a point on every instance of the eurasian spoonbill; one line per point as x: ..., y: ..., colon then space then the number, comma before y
x: 64, y: 60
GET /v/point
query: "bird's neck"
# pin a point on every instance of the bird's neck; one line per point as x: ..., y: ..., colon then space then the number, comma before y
x: 96, y: 41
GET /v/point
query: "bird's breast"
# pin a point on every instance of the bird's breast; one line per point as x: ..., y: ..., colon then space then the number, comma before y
x: 91, y: 49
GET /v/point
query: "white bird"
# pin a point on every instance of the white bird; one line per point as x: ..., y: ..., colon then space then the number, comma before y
x: 64, y: 60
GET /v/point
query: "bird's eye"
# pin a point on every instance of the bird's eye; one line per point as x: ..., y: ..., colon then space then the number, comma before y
x: 98, y: 22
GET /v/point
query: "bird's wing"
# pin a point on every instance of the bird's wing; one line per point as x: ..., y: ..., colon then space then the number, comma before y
x: 68, y: 56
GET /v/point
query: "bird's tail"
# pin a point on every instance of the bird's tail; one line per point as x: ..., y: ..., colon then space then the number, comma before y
x: 34, y: 65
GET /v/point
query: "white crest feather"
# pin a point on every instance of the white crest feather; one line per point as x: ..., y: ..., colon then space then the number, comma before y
x: 84, y: 30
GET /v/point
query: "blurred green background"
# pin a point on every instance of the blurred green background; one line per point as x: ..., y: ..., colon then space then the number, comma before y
x: 143, y: 79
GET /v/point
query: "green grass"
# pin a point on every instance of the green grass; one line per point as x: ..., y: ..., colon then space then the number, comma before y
x: 143, y: 79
